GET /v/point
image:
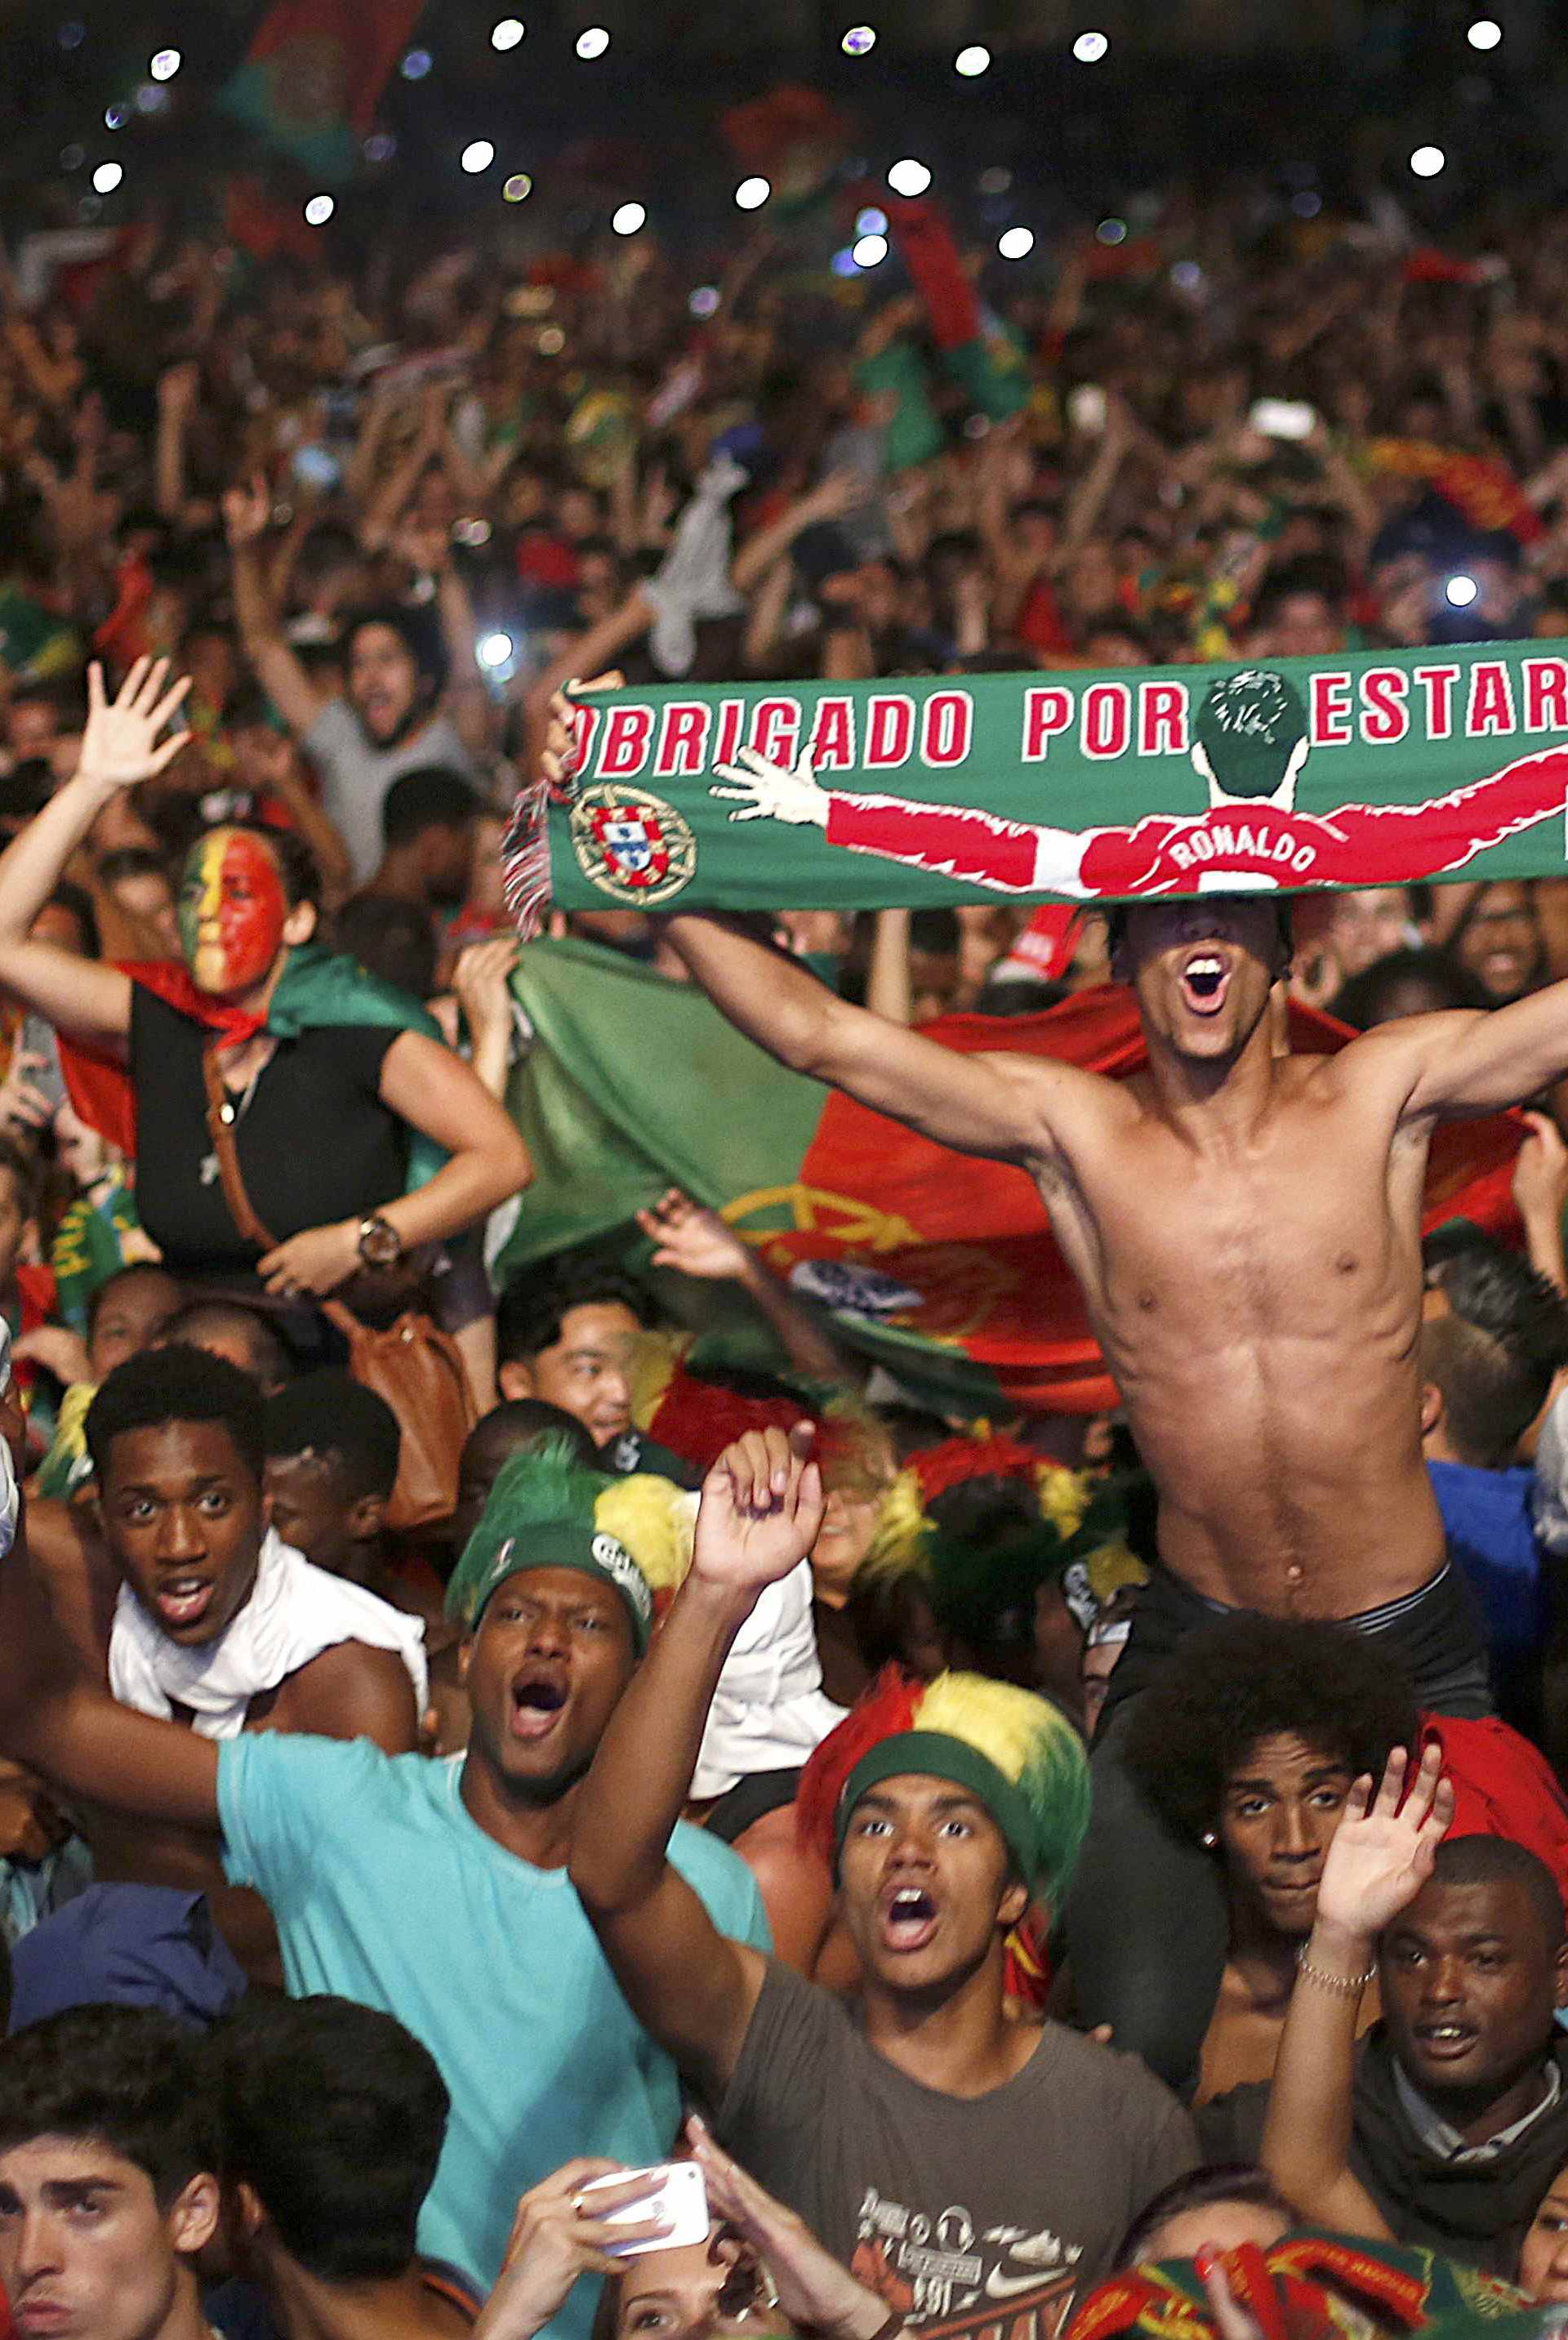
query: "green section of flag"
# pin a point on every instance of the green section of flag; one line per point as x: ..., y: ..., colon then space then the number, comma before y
x: 635, y: 1084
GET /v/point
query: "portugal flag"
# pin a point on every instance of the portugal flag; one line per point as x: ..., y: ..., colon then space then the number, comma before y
x: 939, y: 1265
x: 314, y: 73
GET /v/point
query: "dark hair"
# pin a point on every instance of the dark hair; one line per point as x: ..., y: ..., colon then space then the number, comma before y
x: 177, y: 1383
x: 883, y: 1610
x: 1199, y: 2190
x: 1498, y: 1860
x: 78, y: 902
x: 1118, y: 914
x: 519, y: 1421
x: 297, y: 865
x: 1018, y: 995
x: 1369, y: 997
x: 23, y: 1163
x: 111, y: 1284
x: 129, y: 2077
x: 419, y: 631
x: 1249, y: 725
x: 531, y: 1311
x: 335, y: 1416
x: 272, y: 1361
x: 26, y: 788
x: 335, y: 2114
x: 1246, y: 1677
x: 1495, y: 1355
x: 391, y: 938
x: 430, y: 797
x: 131, y: 862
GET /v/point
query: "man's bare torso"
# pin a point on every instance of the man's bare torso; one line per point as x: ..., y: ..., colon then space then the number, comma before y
x: 1258, y: 1301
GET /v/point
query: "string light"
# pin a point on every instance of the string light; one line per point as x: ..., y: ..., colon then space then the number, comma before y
x: 593, y: 43
x: 1484, y: 34
x: 974, y: 60
x: 106, y: 178
x: 415, y: 65
x: 319, y: 210
x: 704, y: 301
x: 477, y: 155
x: 518, y: 188
x: 116, y: 116
x: 1460, y: 591
x: 1427, y: 161
x: 1015, y: 243
x: 493, y: 650
x: 871, y: 222
x: 751, y: 194
x: 164, y: 64
x: 508, y: 32
x: 909, y: 178
x: 1090, y: 48
x: 868, y: 251
x: 628, y: 219
x: 858, y: 41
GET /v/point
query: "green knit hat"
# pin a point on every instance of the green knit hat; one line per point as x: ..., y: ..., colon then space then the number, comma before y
x: 541, y: 1514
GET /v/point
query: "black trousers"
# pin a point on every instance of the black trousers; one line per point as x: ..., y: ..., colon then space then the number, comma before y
x: 1147, y: 1922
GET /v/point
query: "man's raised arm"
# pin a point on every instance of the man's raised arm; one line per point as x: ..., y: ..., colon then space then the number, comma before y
x: 692, y: 1988
x: 70, y: 1731
x: 1380, y: 1857
x: 992, y: 1104
x: 1478, y: 1060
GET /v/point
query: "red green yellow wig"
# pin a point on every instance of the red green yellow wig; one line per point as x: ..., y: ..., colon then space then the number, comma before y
x: 1015, y: 1753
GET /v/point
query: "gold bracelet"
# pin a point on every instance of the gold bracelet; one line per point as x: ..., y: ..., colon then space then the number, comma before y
x: 1341, y: 1986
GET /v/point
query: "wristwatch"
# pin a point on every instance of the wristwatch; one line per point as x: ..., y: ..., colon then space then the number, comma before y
x: 379, y: 1244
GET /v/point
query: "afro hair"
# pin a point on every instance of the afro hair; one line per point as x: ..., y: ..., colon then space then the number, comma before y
x: 1246, y: 1677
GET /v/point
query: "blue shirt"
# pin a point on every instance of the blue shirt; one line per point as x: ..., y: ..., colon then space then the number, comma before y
x: 1486, y: 1518
x: 384, y: 1890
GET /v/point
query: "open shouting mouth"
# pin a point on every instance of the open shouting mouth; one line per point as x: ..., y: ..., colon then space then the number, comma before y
x: 909, y: 1917
x: 182, y: 1601
x: 536, y: 1702
x: 1205, y: 981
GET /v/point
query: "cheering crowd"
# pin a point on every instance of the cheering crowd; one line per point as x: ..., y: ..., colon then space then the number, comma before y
x: 466, y: 1736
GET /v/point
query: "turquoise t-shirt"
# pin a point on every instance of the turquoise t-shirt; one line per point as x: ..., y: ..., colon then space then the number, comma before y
x: 385, y: 1891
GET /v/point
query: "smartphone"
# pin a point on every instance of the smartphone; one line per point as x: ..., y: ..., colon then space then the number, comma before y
x: 1284, y: 417
x: 675, y: 2190
x: 38, y: 1038
x: 1086, y: 409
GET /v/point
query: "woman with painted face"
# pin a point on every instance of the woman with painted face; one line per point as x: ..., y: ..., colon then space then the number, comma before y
x: 359, y: 1137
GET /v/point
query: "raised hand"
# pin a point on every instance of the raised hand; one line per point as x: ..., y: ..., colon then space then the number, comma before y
x: 562, y: 740
x: 555, y: 2238
x: 760, y: 1512
x: 1382, y: 1856
x: 693, y: 1241
x: 247, y: 514
x: 119, y: 744
x: 482, y: 980
x: 768, y: 791
x: 814, y: 2292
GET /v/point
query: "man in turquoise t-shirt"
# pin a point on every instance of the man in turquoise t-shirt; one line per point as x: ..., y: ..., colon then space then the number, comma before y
x: 437, y: 1891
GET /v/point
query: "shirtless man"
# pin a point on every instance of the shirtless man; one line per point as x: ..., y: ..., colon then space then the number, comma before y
x: 1245, y: 1226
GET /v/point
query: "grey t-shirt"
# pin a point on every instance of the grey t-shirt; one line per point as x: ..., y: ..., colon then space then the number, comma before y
x: 970, y: 2214
x: 356, y: 775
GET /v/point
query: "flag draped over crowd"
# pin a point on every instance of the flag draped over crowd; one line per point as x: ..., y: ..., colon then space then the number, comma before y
x: 313, y: 74
x: 1374, y: 769
x: 941, y: 1266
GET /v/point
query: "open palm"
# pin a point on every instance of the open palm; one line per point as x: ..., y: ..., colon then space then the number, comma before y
x: 120, y: 741
x: 1382, y: 1855
x: 760, y: 1512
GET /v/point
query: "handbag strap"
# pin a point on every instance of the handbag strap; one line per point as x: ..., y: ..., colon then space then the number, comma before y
x: 221, y: 1130
x: 242, y: 1210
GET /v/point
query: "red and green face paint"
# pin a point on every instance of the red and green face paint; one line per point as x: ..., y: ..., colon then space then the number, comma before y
x: 232, y: 912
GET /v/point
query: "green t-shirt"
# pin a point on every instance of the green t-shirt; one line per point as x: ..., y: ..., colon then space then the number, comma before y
x: 385, y: 1891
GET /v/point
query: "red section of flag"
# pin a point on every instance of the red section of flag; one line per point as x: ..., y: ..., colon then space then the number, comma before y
x: 974, y: 1240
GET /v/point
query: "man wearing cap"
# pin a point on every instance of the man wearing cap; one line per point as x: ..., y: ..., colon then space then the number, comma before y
x: 973, y: 2169
x: 437, y: 1892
